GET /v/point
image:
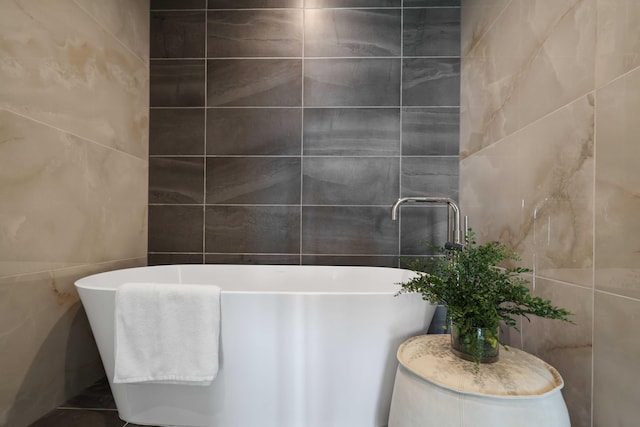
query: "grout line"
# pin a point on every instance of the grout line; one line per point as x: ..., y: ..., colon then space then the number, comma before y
x: 72, y: 133
x: 307, y: 8
x: 75, y: 408
x: 144, y: 61
x: 593, y: 248
x: 302, y: 157
x: 399, y: 220
x: 293, y: 156
x: 301, y: 58
x: 316, y: 107
x: 313, y: 205
x: 290, y: 254
x: 599, y: 291
x: 204, y: 177
x: 534, y: 122
x: 56, y: 270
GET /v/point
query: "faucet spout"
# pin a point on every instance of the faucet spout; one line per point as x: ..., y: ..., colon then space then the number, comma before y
x: 453, y: 214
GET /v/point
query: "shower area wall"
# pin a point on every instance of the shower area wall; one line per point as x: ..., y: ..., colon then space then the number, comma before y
x: 283, y: 131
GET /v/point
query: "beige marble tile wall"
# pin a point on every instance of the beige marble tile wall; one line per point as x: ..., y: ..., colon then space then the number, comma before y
x: 550, y: 103
x: 73, y: 184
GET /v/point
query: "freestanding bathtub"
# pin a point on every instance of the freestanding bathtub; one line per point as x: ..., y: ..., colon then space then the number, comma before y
x: 301, y: 346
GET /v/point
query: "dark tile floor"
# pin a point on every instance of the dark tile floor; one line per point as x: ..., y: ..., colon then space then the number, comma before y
x: 94, y: 407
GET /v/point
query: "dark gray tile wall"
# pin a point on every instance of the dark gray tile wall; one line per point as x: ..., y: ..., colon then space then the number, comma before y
x: 282, y: 131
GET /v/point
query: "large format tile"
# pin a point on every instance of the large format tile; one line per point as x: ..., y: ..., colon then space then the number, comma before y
x: 175, y: 258
x: 175, y: 228
x: 178, y: 34
x: 431, y: 32
x: 487, y: 109
x: 531, y: 61
x: 127, y: 20
x: 431, y: 82
x: 253, y: 180
x: 350, y: 180
x: 66, y: 201
x: 430, y: 131
x: 555, y: 174
x: 480, y: 175
x: 177, y: 83
x: 352, y: 32
x: 176, y: 131
x: 560, y: 45
x: 253, y: 229
x: 352, y: 131
x: 254, y: 131
x: 357, y: 260
x: 616, y: 353
x: 617, y: 261
x: 422, y: 227
x: 55, y: 60
x: 251, y: 33
x: 176, y: 180
x: 351, y: 3
x: 351, y: 82
x: 545, y: 209
x: 477, y: 18
x: 253, y: 4
x: 53, y: 356
x: 254, y: 82
x: 255, y: 259
x: 431, y: 3
x: 435, y: 176
x: 493, y: 59
x: 565, y: 346
x: 182, y: 4
x: 617, y: 49
x: 339, y: 230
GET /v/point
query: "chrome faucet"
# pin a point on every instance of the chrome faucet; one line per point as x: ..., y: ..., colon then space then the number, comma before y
x: 453, y: 225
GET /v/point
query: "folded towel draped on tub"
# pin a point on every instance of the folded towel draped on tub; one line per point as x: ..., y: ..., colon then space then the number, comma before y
x: 167, y: 333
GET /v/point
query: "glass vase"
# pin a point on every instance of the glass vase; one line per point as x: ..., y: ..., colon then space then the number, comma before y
x: 478, y: 345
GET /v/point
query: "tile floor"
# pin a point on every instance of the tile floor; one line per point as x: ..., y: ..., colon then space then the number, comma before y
x: 92, y: 408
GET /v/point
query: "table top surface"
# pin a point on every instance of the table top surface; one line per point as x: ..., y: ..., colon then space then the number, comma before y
x: 516, y: 374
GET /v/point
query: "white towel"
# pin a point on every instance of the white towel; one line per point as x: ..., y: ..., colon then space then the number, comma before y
x: 167, y: 333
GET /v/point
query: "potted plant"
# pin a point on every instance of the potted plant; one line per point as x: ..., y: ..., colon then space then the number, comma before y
x: 478, y: 295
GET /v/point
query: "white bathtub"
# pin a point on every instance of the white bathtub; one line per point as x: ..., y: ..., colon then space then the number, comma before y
x: 301, y: 346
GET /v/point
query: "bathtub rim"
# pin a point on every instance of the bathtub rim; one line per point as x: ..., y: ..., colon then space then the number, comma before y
x: 95, y: 281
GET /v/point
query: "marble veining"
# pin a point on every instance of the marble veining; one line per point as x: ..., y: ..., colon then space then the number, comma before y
x: 49, y: 70
x: 513, y: 82
x: 125, y: 19
x: 77, y: 181
x: 547, y: 197
x: 548, y: 128
x: 74, y: 103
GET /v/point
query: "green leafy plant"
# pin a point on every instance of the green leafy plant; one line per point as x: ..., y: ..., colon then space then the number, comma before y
x: 477, y: 292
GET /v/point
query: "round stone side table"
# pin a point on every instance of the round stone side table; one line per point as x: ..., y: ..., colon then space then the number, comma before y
x: 435, y: 388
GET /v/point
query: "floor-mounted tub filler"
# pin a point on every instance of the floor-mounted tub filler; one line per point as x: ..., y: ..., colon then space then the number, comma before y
x: 299, y: 346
